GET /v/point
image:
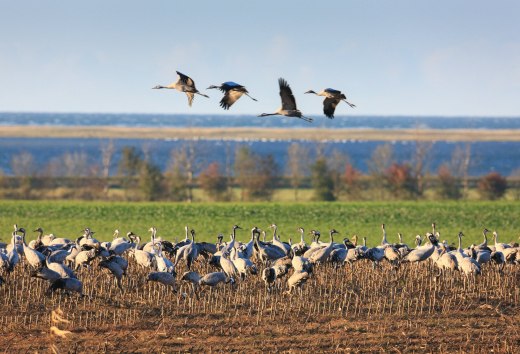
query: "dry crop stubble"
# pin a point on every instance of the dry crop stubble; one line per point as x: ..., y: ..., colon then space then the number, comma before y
x: 356, y: 308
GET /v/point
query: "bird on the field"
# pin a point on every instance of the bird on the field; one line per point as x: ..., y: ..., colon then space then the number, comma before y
x: 296, y: 281
x: 165, y: 278
x: 114, y: 268
x: 215, y: 278
x: 35, y: 258
x: 321, y: 255
x: 332, y: 99
x: 422, y: 253
x: 68, y: 284
x: 288, y: 108
x: 232, y: 92
x: 183, y: 84
x: 269, y: 277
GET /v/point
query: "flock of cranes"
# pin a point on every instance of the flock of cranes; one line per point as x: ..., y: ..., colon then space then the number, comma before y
x: 58, y: 260
x: 233, y: 91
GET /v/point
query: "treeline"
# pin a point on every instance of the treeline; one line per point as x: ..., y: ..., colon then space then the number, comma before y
x: 251, y: 176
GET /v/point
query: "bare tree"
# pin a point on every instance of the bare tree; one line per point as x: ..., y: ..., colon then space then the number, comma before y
x: 22, y: 164
x: 459, y: 165
x: 184, y: 164
x: 177, y: 175
x: 420, y: 163
x: 380, y: 160
x: 107, y: 152
x: 75, y: 164
x: 337, y: 162
x: 23, y: 167
x: 297, y: 168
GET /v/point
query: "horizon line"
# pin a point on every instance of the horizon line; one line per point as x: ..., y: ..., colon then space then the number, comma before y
x: 419, y: 116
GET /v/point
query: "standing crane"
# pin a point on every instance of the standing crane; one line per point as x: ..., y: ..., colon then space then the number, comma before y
x: 288, y: 108
x: 232, y: 92
x: 322, y: 255
x: 332, y: 99
x: 183, y: 84
x: 35, y: 258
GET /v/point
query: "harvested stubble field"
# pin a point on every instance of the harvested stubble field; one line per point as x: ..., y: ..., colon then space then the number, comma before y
x: 355, y: 309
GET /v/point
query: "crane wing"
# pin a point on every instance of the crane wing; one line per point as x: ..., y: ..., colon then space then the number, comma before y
x: 185, y: 79
x: 229, y: 98
x: 329, y: 106
x: 288, y: 101
x: 190, y: 95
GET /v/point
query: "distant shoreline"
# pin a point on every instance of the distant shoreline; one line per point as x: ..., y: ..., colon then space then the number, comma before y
x: 249, y: 133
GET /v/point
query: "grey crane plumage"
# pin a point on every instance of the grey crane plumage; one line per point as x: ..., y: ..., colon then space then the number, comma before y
x: 163, y: 263
x: 339, y: 255
x: 301, y: 247
x: 228, y: 266
x: 45, y: 274
x: 288, y: 108
x: 443, y: 259
x: 422, y: 253
x: 114, y: 268
x: 35, y: 258
x: 322, y: 255
x: 45, y: 239
x: 267, y: 253
x: 215, y: 278
x: 232, y: 92
x: 62, y: 270
x: 13, y: 258
x: 193, y: 279
x: 184, y: 84
x: 68, y: 284
x: 244, y: 266
x: 188, y: 252
x: 143, y: 258
x: 332, y: 99
x: 276, y: 241
x: 164, y: 278
x: 296, y: 280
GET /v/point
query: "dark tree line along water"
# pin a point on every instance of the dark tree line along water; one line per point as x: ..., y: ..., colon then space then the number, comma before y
x: 147, y: 171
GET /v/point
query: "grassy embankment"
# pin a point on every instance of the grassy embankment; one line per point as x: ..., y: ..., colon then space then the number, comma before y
x: 68, y: 218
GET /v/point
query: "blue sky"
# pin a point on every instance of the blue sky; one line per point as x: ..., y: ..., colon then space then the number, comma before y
x: 443, y: 57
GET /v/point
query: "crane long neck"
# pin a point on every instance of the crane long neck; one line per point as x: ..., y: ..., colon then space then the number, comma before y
x: 302, y: 236
x: 460, y: 243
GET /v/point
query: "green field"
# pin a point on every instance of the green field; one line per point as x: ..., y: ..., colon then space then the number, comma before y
x: 68, y: 218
